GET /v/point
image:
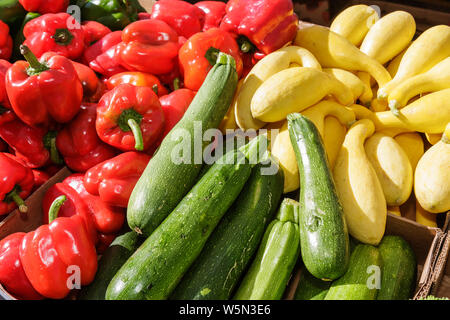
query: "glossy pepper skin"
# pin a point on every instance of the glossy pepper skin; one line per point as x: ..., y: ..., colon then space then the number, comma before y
x: 40, y: 92
x: 12, y: 275
x: 268, y: 24
x: 115, y: 14
x: 53, y: 252
x: 139, y: 79
x: 214, y: 12
x: 174, y: 106
x: 149, y: 46
x: 185, y: 18
x: 93, y: 31
x: 104, y: 55
x: 45, y: 6
x: 79, y: 143
x: 17, y: 184
x: 59, y: 33
x: 100, y: 218
x: 114, y: 179
x: 198, y: 55
x: 6, y: 42
x: 29, y: 143
x: 130, y: 118
x: 4, y: 101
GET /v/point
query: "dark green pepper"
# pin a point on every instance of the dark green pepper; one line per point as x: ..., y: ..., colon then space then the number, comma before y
x: 20, y: 38
x: 115, y: 14
x: 11, y: 12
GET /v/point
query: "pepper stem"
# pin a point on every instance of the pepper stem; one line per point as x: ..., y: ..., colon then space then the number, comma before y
x: 176, y: 83
x: 155, y: 88
x: 130, y: 120
x: 54, y: 208
x: 14, y: 196
x: 50, y: 144
x: 35, y: 67
x: 63, y: 37
x: 245, y: 45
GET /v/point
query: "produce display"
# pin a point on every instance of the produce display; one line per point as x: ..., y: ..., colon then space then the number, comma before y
x: 216, y: 148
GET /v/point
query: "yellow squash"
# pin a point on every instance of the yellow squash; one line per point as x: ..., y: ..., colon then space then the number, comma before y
x: 427, y: 50
x: 392, y: 166
x: 263, y: 70
x: 393, y: 65
x: 354, y: 22
x: 430, y: 114
x: 394, y: 210
x: 378, y: 105
x: 433, y: 138
x: 359, y: 89
x: 389, y: 36
x: 333, y: 137
x: 283, y: 152
x: 432, y: 176
x: 294, y: 90
x: 412, y: 144
x: 424, y: 217
x: 334, y: 51
x: 358, y: 186
x: 229, y: 121
x: 435, y: 79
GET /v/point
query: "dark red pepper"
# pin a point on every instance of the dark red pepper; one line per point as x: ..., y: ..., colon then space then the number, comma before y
x: 79, y: 143
x: 4, y: 101
x: 6, y: 42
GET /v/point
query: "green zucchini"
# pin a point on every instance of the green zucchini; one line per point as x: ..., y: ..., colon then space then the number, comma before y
x: 216, y: 271
x: 399, y: 269
x: 158, y: 265
x: 363, y: 277
x: 165, y: 181
x: 111, y: 261
x: 311, y: 288
x: 323, y: 231
x: 272, y: 267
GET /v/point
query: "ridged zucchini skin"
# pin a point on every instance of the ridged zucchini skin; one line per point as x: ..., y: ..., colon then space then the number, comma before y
x: 399, y: 269
x: 272, y: 267
x: 164, y: 183
x: 311, y: 288
x: 323, y: 230
x: 353, y: 285
x: 158, y: 265
x: 215, y: 273
x: 111, y: 261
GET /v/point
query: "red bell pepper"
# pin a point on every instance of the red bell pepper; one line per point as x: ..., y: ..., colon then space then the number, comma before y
x: 33, y: 146
x: 268, y: 24
x: 149, y: 46
x: 4, y: 101
x: 174, y: 106
x: 104, y: 55
x: 12, y: 275
x: 114, y: 179
x: 6, y: 42
x: 138, y: 79
x: 93, y: 31
x: 100, y: 217
x: 42, y: 91
x: 54, y: 252
x: 198, y: 55
x: 79, y: 143
x: 57, y: 32
x: 104, y: 241
x: 45, y: 6
x: 130, y: 118
x: 40, y: 178
x: 185, y: 18
x: 6, y: 115
x: 214, y: 12
x: 17, y: 183
x: 3, y: 145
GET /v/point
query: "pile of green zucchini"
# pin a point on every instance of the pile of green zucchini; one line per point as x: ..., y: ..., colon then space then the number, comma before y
x: 224, y: 232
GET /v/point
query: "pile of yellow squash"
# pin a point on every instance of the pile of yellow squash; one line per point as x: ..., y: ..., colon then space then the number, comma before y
x: 378, y: 98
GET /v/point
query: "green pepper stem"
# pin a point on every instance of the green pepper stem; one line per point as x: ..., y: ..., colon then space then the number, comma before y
x: 63, y: 37
x: 176, y: 83
x: 50, y: 144
x: 245, y: 45
x: 155, y: 88
x: 54, y: 208
x: 137, y: 132
x: 14, y: 196
x: 35, y: 67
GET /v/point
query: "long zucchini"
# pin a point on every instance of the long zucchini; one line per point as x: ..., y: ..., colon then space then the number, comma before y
x: 276, y: 257
x: 323, y: 231
x: 167, y: 180
x: 157, y: 267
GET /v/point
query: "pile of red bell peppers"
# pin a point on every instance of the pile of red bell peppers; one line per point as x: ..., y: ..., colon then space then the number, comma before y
x: 98, y: 96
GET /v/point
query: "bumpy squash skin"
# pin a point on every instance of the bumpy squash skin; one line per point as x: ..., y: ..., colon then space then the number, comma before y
x: 399, y: 269
x: 156, y: 268
x: 353, y: 284
x: 215, y: 273
x: 323, y: 230
x: 164, y: 183
x: 311, y: 288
